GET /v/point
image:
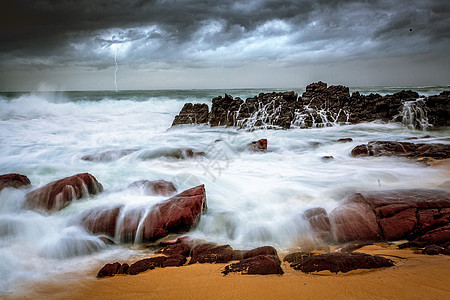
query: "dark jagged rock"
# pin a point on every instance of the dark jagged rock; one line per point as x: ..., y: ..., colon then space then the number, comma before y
x: 403, y: 149
x: 109, y: 270
x: 419, y: 215
x: 296, y: 257
x: 146, y: 264
x: 258, y: 146
x: 192, y: 114
x: 320, y: 222
x: 59, y: 194
x: 342, y: 262
x: 14, y: 180
x: 212, y: 253
x: 438, y: 108
x: 320, y: 105
x: 156, y: 187
x: 224, y: 111
x: 175, y: 249
x: 106, y: 156
x: 174, y: 215
x: 257, y: 265
x: 174, y: 261
x: 123, y: 269
x: 435, y: 250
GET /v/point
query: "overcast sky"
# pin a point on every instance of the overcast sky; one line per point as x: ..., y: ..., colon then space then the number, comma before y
x: 72, y: 45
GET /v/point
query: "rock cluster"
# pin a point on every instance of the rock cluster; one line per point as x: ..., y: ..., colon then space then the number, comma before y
x: 262, y: 260
x: 320, y: 105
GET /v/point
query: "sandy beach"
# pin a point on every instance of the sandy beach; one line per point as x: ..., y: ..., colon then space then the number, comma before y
x: 414, y: 276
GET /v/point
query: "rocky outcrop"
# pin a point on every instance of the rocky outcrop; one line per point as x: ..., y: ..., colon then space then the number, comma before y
x: 403, y: 149
x: 341, y: 262
x: 13, y: 180
x: 320, y: 105
x: 156, y: 187
x: 174, y: 215
x: 57, y: 195
x: 192, y: 114
x: 421, y: 215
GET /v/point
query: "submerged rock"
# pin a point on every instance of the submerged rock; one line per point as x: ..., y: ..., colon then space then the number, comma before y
x: 177, y: 153
x: 57, y: 195
x: 342, y: 262
x: 403, y: 149
x: 107, y: 156
x: 156, y: 187
x: 13, y: 180
x: 320, y: 222
x: 258, y: 146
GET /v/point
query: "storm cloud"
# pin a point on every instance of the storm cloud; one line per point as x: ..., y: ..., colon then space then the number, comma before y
x: 165, y: 35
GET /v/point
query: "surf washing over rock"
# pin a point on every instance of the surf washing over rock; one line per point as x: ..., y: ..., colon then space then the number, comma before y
x: 106, y: 172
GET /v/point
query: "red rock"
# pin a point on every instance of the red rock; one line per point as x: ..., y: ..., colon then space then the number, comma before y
x: 175, y: 249
x: 404, y: 149
x: 174, y: 261
x: 393, y: 215
x: 212, y: 253
x: 59, y: 194
x: 320, y: 222
x: 438, y: 236
x: 175, y: 215
x: 183, y: 239
x: 399, y: 225
x: 146, y: 264
x: 435, y: 250
x: 342, y: 262
x: 13, y: 180
x: 108, y: 270
x: 265, y: 250
x: 101, y: 220
x: 123, y: 269
x: 157, y: 187
x: 257, y: 265
x: 259, y: 145
x: 354, y: 220
x: 297, y: 257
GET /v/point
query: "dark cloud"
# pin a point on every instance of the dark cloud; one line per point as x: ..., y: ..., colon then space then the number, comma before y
x: 199, y: 34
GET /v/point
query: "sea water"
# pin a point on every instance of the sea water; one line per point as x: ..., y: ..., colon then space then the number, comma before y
x: 253, y: 199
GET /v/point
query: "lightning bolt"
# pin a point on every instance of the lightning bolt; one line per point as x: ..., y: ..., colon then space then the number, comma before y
x: 117, y: 67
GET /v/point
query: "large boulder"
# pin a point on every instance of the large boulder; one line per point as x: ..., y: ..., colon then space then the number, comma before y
x: 341, y: 262
x: 174, y: 215
x: 57, y: 195
x: 438, y: 108
x: 415, y: 214
x: 13, y: 180
x: 403, y: 149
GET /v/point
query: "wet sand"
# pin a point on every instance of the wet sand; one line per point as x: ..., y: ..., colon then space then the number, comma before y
x: 414, y: 276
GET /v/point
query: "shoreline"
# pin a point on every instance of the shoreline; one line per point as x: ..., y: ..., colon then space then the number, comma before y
x: 414, y: 275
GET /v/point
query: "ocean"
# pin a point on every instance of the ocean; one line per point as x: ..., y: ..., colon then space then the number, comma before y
x: 253, y: 199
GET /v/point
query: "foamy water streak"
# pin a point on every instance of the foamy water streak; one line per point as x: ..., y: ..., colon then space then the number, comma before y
x: 253, y: 199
